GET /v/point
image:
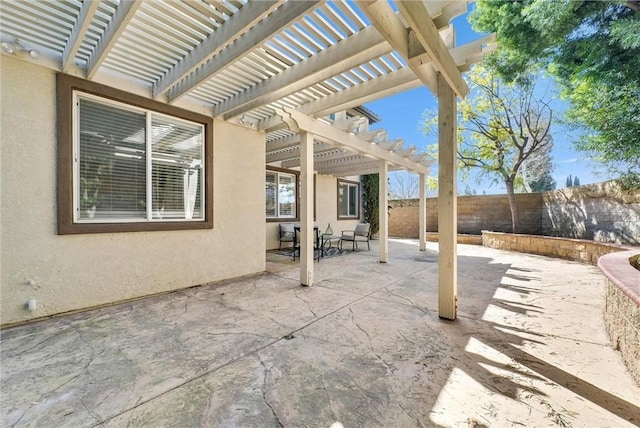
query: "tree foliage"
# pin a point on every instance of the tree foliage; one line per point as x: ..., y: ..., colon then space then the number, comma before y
x: 370, y: 201
x: 537, y: 169
x: 592, y: 48
x: 501, y: 127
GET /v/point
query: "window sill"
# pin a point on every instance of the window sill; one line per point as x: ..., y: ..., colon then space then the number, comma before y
x: 282, y: 220
x: 80, y: 228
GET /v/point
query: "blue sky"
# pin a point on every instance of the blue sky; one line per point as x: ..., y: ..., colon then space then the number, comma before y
x: 401, y: 116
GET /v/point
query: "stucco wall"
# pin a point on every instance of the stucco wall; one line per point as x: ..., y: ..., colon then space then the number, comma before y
x: 326, y: 210
x: 79, y: 271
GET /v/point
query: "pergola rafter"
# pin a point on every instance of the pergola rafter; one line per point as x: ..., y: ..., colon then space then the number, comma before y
x: 358, y: 49
x: 237, y: 25
x: 80, y: 28
x: 325, y: 132
x: 287, y: 14
x: 118, y: 24
x: 388, y: 84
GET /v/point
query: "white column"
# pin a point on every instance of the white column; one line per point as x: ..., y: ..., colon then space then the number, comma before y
x: 306, y: 209
x: 423, y: 213
x: 447, y: 203
x: 383, y: 233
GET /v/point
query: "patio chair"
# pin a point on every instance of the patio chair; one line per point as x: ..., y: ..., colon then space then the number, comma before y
x: 360, y: 234
x: 285, y: 233
x: 317, y: 250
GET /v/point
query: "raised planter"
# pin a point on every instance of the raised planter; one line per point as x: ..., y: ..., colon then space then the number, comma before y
x: 580, y: 250
x: 462, y: 238
x: 622, y: 307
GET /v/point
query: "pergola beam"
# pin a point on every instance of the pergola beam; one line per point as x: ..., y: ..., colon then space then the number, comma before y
x: 283, y: 143
x: 344, y: 55
x: 234, y: 27
x: 418, y: 18
x: 325, y: 132
x: 124, y: 13
x: 372, y: 167
x: 385, y: 20
x: 80, y: 28
x: 346, y: 160
x: 388, y: 84
x: 448, y: 11
x: 369, y: 164
x: 285, y: 15
x: 326, y: 152
x: 291, y: 157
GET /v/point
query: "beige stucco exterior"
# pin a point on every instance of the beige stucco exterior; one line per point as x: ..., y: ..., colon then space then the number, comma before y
x: 326, y: 196
x: 73, y: 272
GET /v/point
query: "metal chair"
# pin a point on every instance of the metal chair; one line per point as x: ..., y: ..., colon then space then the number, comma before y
x: 359, y: 234
x: 316, y: 247
x: 285, y: 233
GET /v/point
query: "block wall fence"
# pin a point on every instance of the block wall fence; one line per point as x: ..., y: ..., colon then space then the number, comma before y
x: 600, y: 212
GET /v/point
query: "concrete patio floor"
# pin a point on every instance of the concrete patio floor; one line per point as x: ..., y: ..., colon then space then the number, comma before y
x: 363, y: 347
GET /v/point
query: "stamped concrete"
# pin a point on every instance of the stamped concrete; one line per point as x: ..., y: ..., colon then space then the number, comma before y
x: 363, y: 347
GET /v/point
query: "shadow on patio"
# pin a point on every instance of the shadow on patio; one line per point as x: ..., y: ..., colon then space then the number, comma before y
x: 364, y: 347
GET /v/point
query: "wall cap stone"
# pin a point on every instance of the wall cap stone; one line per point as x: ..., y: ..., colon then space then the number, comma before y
x: 616, y: 267
x: 619, y: 247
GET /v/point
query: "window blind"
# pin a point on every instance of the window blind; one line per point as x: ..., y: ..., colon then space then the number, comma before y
x: 270, y: 194
x: 176, y: 162
x: 348, y: 201
x: 287, y: 195
x: 135, y: 165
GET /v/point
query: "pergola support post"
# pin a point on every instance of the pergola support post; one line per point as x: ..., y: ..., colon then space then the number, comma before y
x: 306, y: 208
x: 422, y: 223
x: 383, y: 217
x: 447, y: 202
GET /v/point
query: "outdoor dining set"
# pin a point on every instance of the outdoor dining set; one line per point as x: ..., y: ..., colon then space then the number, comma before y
x: 324, y: 240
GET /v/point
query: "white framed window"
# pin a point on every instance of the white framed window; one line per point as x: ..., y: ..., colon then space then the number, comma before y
x: 128, y: 163
x: 281, y: 195
x: 348, y: 200
x: 135, y: 165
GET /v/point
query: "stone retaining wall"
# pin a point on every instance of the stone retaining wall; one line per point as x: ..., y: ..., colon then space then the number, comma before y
x: 461, y: 239
x: 622, y: 308
x: 565, y: 248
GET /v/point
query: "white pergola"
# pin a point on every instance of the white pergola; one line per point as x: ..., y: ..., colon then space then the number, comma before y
x: 279, y: 67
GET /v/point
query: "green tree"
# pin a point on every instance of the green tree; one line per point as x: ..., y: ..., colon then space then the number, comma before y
x: 501, y: 126
x: 543, y: 184
x: 569, y: 182
x: 370, y: 201
x: 576, y: 181
x: 592, y: 48
x: 537, y: 169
